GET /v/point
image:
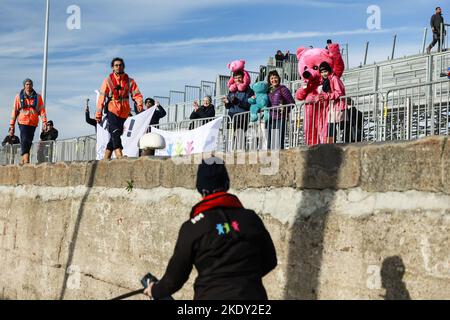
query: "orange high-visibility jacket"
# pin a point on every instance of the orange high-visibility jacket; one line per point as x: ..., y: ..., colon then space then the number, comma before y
x: 117, y: 90
x: 28, y: 115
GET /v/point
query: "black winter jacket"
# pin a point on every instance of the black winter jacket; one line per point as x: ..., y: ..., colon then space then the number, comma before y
x: 203, y: 112
x: 50, y: 135
x: 11, y: 140
x: 435, y: 22
x: 159, y: 114
x: 230, y: 248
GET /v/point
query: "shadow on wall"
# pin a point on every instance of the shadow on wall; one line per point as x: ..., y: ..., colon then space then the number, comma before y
x: 320, y: 179
x: 392, y: 272
x: 76, y: 230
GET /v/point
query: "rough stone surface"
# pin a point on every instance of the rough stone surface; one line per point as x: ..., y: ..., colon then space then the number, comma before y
x: 352, y: 222
x: 404, y: 166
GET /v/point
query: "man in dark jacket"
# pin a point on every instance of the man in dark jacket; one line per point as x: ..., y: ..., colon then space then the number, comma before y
x: 90, y: 120
x: 436, y: 21
x: 46, y: 145
x: 159, y: 112
x: 228, y: 245
x: 10, y: 139
x: 238, y: 109
x: 49, y: 133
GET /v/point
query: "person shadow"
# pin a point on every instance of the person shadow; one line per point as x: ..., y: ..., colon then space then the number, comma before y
x: 306, y: 242
x: 392, y: 272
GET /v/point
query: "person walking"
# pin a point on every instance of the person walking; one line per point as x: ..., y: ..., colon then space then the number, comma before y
x: 28, y: 106
x: 437, y: 20
x: 114, y: 99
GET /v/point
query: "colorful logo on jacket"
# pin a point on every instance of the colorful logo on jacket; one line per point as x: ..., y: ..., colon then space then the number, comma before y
x: 223, y: 229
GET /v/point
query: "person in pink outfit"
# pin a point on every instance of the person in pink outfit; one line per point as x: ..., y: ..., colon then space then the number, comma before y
x: 333, y: 90
x: 315, y: 117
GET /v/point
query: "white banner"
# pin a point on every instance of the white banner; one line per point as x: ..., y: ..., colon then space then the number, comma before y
x: 183, y: 143
x: 134, y: 128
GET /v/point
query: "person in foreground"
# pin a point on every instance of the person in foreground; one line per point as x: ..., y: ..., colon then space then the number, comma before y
x: 228, y: 245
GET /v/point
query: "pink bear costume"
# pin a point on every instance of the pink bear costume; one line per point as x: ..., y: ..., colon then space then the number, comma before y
x: 316, y: 113
x: 236, y: 66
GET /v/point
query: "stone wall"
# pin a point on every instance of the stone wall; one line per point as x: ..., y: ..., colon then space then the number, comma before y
x: 348, y: 222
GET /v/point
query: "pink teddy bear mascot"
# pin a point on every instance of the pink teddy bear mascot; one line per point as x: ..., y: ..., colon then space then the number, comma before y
x: 316, y: 106
x: 236, y: 66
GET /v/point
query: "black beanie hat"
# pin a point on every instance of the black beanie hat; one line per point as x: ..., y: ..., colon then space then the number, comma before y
x: 324, y: 66
x: 212, y: 176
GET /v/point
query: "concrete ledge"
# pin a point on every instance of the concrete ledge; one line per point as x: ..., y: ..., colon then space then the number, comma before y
x: 419, y: 165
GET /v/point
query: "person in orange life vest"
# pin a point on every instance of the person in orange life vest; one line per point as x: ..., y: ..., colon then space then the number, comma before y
x: 114, y: 97
x: 28, y: 106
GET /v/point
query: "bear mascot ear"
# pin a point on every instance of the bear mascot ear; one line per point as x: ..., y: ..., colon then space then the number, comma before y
x: 243, y: 62
x: 229, y: 66
x: 300, y: 52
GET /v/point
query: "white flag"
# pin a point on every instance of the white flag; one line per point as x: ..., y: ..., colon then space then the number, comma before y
x: 134, y: 128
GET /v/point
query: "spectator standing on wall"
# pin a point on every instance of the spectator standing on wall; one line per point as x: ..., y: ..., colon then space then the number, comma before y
x: 436, y: 21
x: 115, y: 94
x: 10, y: 140
x: 49, y: 133
x: 206, y: 110
x: 88, y: 118
x: 28, y: 106
x: 10, y: 145
x: 238, y: 107
x: 279, y: 58
x: 333, y: 90
x: 228, y: 245
x: 159, y: 112
x: 46, y: 145
x: 287, y: 56
x: 279, y: 95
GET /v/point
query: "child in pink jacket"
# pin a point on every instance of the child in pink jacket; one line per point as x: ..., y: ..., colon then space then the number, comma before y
x: 333, y: 91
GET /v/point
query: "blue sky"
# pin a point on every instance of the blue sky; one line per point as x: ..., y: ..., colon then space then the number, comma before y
x: 167, y: 44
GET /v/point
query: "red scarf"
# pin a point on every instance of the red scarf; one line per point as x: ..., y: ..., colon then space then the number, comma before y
x: 123, y: 83
x: 216, y: 200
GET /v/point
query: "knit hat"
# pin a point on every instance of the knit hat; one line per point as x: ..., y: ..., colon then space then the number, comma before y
x: 212, y: 176
x: 27, y: 80
x: 324, y: 66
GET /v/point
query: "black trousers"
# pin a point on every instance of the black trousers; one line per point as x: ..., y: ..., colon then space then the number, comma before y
x: 436, y: 38
x: 26, y: 138
x: 115, y: 128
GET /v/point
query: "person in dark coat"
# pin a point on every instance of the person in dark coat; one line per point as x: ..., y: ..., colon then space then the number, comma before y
x: 238, y: 110
x: 228, y: 245
x: 90, y: 120
x: 159, y: 112
x: 46, y: 145
x: 279, y: 95
x: 436, y: 20
x: 49, y: 133
x: 10, y: 140
x: 10, y: 145
x: 206, y: 110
